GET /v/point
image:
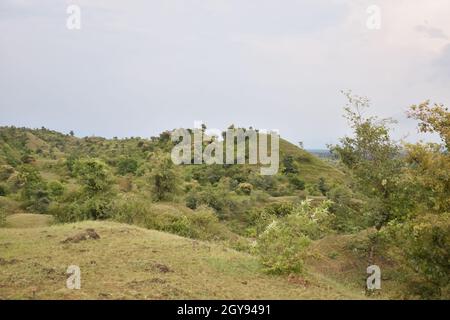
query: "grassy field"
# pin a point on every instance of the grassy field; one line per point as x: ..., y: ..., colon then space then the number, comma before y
x: 28, y: 220
x: 129, y: 262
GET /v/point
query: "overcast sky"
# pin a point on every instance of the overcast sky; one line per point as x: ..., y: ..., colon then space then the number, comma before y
x: 139, y: 67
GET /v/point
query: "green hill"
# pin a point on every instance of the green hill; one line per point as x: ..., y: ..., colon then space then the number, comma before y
x: 128, y: 262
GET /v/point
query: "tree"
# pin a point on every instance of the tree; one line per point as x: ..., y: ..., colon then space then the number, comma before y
x: 289, y: 165
x: 432, y: 118
x: 163, y: 179
x: 34, y: 189
x: 127, y: 165
x: 94, y: 175
x: 373, y: 159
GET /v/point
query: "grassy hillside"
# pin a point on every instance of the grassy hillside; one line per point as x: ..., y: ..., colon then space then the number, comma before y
x: 200, y: 231
x: 128, y: 262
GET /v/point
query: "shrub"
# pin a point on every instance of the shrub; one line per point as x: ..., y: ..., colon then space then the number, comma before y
x: 163, y: 180
x: 2, y: 218
x: 56, y: 189
x: 93, y: 175
x: 282, y: 246
x: 281, y: 250
x: 85, y: 208
x: 322, y: 186
x: 280, y: 209
x: 289, y: 165
x: 298, y: 183
x: 425, y: 242
x: 127, y: 165
x: 245, y: 188
x: 34, y: 190
x: 199, y: 224
x: 192, y: 200
x: 4, y: 190
x: 5, y: 172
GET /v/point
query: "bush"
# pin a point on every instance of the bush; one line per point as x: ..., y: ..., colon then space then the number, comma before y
x: 93, y: 175
x: 282, y: 245
x: 298, y: 183
x: 245, y: 188
x: 280, y: 209
x: 199, y: 224
x: 163, y: 180
x: 5, y: 172
x: 4, y: 190
x: 192, y: 200
x: 127, y: 165
x: 425, y: 241
x: 2, y: 218
x: 56, y: 189
x: 281, y: 250
x: 85, y: 208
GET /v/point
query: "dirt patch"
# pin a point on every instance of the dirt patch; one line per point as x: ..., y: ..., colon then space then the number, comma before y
x: 295, y: 279
x: 4, y: 262
x: 145, y: 283
x: 85, y: 235
x: 161, y: 267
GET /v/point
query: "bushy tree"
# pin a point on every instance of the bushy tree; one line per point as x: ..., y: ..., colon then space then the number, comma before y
x: 127, y: 165
x: 282, y: 246
x: 163, y: 179
x: 373, y: 159
x: 34, y: 190
x: 289, y: 165
x: 93, y: 175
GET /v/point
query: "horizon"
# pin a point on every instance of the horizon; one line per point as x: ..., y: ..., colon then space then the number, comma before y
x: 139, y: 68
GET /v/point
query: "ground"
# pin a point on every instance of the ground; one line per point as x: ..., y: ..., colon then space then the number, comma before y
x: 129, y: 262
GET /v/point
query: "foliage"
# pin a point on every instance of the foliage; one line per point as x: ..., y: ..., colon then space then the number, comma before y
x: 4, y: 190
x: 425, y: 242
x: 281, y: 249
x: 56, y: 189
x: 282, y: 245
x: 245, y: 188
x: 433, y: 118
x: 93, y: 175
x: 373, y: 159
x: 289, y: 165
x: 127, y: 165
x: 298, y: 183
x: 5, y: 172
x: 199, y: 224
x: 163, y: 179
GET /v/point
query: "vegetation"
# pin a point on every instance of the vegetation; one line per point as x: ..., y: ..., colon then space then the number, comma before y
x: 378, y: 201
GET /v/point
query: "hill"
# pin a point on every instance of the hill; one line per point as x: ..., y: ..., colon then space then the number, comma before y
x: 128, y: 262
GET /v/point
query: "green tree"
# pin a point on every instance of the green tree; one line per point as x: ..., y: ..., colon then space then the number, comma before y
x: 163, y: 179
x: 34, y: 189
x: 127, y: 165
x: 289, y: 165
x: 373, y: 159
x: 94, y: 175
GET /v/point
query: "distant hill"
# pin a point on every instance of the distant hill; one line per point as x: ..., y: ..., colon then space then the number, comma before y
x: 19, y: 145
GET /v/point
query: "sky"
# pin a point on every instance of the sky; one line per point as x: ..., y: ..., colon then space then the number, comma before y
x: 139, y: 67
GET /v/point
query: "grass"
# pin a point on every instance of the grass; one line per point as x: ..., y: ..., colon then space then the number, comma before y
x: 28, y: 220
x: 344, y: 259
x: 129, y: 262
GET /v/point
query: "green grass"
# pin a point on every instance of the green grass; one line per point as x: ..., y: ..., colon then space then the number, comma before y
x: 128, y: 262
x: 28, y: 220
